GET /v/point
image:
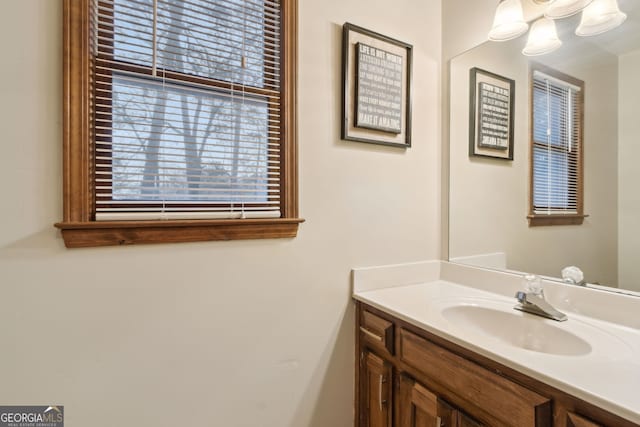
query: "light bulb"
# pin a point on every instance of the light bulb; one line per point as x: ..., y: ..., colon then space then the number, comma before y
x: 508, y: 22
x: 599, y: 17
x: 543, y: 38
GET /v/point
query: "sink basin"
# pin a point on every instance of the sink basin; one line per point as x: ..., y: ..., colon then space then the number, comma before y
x: 517, y: 329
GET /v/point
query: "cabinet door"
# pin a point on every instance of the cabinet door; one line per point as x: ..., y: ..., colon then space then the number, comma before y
x: 463, y: 420
x: 575, y: 420
x: 418, y: 407
x: 375, y: 392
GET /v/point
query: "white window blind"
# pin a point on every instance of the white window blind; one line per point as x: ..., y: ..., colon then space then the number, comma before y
x: 557, y: 145
x: 187, y: 111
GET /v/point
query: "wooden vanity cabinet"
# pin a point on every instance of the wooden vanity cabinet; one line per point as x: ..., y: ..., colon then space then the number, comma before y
x: 408, y: 377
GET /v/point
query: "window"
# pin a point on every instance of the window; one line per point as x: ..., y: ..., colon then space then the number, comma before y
x: 556, y: 194
x: 179, y: 121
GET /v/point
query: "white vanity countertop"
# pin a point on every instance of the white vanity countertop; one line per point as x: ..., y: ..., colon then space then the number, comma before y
x: 608, y: 376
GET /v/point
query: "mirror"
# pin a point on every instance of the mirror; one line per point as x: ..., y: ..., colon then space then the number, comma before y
x: 489, y: 197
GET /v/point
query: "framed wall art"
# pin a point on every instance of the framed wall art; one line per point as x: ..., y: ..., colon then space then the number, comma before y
x: 491, y: 105
x: 376, y: 88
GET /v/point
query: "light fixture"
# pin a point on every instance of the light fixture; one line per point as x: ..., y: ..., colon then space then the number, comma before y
x: 543, y: 38
x: 508, y: 22
x: 600, y: 16
x: 564, y: 8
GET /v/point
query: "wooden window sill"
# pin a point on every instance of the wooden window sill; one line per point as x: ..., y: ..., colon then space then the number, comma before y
x: 110, y: 233
x: 544, y: 220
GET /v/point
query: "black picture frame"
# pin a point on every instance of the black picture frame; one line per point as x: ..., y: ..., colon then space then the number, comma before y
x: 376, y: 88
x: 491, y: 114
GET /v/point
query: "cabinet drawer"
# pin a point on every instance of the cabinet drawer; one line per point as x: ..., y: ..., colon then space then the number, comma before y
x: 510, y: 403
x: 377, y: 332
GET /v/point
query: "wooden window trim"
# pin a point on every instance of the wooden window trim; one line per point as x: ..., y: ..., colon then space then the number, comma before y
x: 537, y: 220
x: 78, y: 227
x: 543, y: 220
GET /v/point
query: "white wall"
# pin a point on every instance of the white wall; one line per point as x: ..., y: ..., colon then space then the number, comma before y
x: 629, y: 173
x: 254, y: 333
x: 489, y: 198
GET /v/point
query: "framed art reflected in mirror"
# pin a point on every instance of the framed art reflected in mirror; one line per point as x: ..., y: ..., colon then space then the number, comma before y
x: 491, y: 104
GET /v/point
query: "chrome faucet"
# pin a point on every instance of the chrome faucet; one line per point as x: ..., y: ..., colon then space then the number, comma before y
x: 534, y: 304
x: 533, y: 300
